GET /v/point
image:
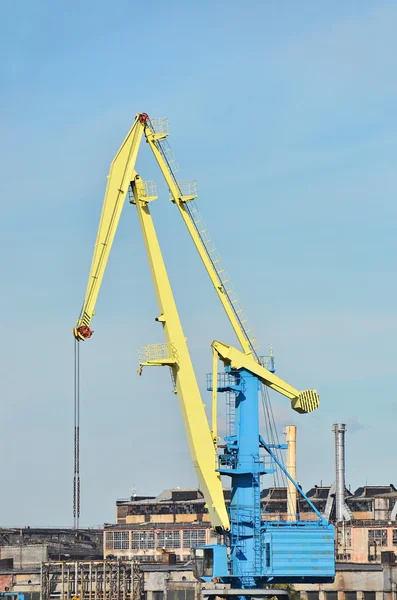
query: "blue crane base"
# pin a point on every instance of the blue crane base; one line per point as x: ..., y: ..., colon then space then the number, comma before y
x: 259, y: 551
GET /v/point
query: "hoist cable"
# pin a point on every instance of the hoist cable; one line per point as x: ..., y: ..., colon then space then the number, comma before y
x: 76, y: 474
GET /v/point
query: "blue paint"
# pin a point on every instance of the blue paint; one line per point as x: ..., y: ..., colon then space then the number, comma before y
x: 262, y: 551
x: 211, y: 560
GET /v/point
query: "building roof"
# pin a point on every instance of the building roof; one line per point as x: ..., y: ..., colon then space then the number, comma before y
x: 173, y: 495
x: 369, y: 491
x: 344, y: 566
x: 274, y: 493
x: 319, y: 492
x: 140, y: 526
x: 31, y: 571
x: 147, y: 567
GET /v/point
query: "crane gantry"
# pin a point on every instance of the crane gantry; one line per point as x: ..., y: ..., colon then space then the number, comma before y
x: 257, y: 548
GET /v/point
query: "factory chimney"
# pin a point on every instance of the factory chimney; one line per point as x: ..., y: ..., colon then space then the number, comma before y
x: 342, y: 511
x: 290, y: 432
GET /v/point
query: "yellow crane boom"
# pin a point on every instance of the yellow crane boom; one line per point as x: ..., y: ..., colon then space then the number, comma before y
x: 181, y: 202
x: 122, y: 171
x: 176, y: 355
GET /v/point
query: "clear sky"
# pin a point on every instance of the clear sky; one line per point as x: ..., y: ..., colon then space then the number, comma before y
x: 285, y: 113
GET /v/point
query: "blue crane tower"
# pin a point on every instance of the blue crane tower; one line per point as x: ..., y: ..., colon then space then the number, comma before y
x: 261, y: 551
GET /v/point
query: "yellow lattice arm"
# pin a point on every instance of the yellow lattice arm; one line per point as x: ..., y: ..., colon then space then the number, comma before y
x: 181, y: 199
x: 122, y: 171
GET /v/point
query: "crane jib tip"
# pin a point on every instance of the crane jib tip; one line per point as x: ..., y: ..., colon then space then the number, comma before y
x: 83, y: 332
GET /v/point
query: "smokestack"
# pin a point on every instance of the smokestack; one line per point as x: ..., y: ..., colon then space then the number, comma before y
x: 340, y: 508
x: 290, y: 432
x: 337, y: 490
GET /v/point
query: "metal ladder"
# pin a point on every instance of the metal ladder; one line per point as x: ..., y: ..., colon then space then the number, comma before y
x: 230, y: 413
x: 256, y: 524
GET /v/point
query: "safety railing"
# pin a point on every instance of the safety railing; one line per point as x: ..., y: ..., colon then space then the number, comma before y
x: 160, y: 125
x: 156, y: 352
x: 224, y: 381
x: 188, y: 189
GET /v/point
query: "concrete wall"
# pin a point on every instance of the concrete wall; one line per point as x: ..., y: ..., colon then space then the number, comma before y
x: 169, y: 518
x: 25, y: 557
x: 5, y: 582
x: 26, y: 583
x: 354, y: 581
x: 171, y: 582
x: 360, y: 546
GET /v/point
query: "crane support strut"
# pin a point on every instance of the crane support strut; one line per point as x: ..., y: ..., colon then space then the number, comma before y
x: 193, y: 410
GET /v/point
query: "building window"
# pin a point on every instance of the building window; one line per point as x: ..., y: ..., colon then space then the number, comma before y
x: 120, y: 540
x: 344, y: 556
x: 331, y: 595
x: 350, y: 595
x: 394, y: 537
x: 377, y: 536
x: 117, y: 540
x: 158, y: 595
x: 313, y: 595
x: 345, y: 537
x: 180, y: 594
x: 267, y: 555
x: 170, y: 538
x: 369, y: 595
x: 194, y: 537
x: 142, y: 540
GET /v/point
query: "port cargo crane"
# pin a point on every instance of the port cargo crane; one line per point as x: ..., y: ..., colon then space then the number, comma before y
x: 258, y: 551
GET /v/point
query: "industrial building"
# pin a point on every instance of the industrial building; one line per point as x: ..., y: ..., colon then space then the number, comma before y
x: 23, y: 551
x: 25, y: 547
x: 125, y: 580
x: 177, y: 520
x: 148, y: 551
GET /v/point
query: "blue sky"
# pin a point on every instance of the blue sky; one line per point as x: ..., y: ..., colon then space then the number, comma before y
x: 285, y: 115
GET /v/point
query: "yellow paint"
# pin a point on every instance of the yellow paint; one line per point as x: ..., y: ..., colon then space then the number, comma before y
x: 122, y: 171
x: 214, y: 427
x: 301, y: 402
x: 198, y: 433
x: 180, y: 202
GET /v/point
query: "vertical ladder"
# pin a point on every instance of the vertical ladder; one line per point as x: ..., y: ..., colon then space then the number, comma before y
x: 256, y: 522
x: 230, y: 413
